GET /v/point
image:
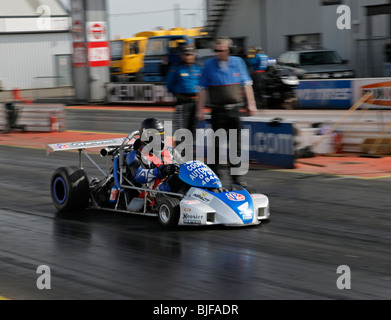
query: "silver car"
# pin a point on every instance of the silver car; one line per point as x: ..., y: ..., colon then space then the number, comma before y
x: 316, y: 64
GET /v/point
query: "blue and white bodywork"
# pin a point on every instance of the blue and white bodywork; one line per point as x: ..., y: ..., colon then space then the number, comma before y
x: 207, y: 203
x: 202, y: 201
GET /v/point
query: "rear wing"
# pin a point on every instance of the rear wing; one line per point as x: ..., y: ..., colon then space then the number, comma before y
x: 85, y: 144
x: 80, y: 145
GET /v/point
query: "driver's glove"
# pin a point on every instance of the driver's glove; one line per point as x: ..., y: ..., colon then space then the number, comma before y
x: 167, y: 169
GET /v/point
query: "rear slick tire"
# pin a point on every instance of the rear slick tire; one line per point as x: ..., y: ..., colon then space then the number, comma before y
x: 70, y: 189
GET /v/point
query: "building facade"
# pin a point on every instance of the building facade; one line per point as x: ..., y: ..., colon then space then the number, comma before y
x: 35, y: 44
x: 281, y: 25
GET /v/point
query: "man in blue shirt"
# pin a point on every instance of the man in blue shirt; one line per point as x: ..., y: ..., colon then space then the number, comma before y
x: 259, y: 64
x: 183, y: 81
x: 229, y: 85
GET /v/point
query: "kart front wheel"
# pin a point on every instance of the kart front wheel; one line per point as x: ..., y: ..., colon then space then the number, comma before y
x: 169, y: 212
x: 69, y: 189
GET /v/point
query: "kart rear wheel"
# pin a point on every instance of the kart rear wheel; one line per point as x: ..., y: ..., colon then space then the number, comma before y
x: 69, y: 189
x: 169, y: 212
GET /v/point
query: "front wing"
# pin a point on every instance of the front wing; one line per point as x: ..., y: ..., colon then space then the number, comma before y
x: 200, y: 207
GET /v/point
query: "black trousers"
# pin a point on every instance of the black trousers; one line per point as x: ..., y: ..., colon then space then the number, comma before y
x: 260, y: 80
x: 185, y: 118
x: 226, y: 118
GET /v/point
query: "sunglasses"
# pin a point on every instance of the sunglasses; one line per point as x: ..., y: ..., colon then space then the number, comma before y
x: 216, y: 50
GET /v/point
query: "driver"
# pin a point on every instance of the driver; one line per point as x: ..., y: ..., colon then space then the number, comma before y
x: 152, y: 161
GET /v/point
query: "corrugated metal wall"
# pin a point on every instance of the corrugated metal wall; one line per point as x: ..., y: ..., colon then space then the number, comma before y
x: 285, y: 18
x: 242, y: 22
x: 269, y: 22
x: 25, y: 57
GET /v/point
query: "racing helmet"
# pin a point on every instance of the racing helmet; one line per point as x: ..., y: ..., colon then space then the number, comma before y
x: 151, y: 127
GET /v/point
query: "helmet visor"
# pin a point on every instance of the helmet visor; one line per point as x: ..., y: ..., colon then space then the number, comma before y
x: 153, y: 135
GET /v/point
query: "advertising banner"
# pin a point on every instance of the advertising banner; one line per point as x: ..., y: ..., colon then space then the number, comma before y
x: 270, y: 144
x: 138, y: 93
x: 316, y: 94
x: 380, y: 89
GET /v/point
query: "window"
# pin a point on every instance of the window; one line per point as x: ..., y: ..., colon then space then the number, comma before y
x: 304, y: 42
x: 330, y: 2
x: 116, y: 49
x: 156, y: 47
x: 321, y: 57
x: 133, y: 48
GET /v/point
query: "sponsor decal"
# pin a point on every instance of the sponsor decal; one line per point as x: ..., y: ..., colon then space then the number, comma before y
x: 243, y: 207
x: 255, y: 196
x: 199, y: 171
x: 381, y: 93
x: 203, y: 196
x: 245, y: 212
x: 189, y: 218
x: 60, y: 146
x: 192, y: 201
x: 246, y: 215
x: 86, y: 144
x: 233, y: 196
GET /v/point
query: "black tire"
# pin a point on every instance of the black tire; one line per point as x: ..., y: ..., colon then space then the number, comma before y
x: 169, y: 212
x: 69, y: 189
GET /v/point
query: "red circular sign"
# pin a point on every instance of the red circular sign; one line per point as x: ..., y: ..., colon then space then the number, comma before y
x: 97, y: 31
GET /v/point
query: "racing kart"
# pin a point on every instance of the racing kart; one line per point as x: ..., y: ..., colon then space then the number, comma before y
x: 202, y: 201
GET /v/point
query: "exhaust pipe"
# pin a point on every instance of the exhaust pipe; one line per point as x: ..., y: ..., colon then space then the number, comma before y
x: 107, y: 152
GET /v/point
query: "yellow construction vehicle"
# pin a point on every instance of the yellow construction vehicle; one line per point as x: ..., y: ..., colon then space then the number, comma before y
x: 127, y: 54
x: 127, y: 58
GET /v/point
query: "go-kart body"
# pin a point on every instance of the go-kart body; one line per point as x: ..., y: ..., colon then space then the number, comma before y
x: 204, y: 200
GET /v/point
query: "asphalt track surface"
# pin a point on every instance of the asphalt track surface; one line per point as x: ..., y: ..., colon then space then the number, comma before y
x: 318, y: 223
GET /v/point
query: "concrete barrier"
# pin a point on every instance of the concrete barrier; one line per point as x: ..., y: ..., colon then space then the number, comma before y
x: 36, y: 117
